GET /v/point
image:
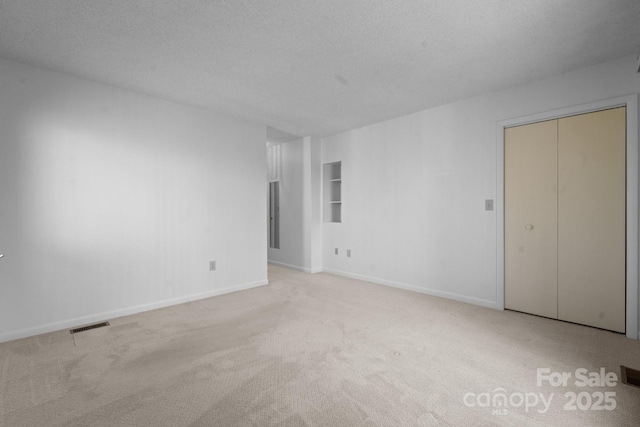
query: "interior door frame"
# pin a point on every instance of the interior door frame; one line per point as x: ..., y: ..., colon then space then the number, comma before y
x: 632, y: 225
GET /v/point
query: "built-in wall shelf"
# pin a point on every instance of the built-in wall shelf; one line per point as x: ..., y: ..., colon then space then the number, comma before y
x: 332, y: 177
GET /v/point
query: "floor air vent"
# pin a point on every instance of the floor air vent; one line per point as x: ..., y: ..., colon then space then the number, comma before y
x: 630, y: 376
x: 86, y: 328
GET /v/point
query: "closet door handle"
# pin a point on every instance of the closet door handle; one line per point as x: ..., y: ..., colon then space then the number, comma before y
x: 529, y: 227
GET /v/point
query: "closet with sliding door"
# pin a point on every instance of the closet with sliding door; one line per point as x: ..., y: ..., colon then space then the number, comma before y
x: 565, y: 218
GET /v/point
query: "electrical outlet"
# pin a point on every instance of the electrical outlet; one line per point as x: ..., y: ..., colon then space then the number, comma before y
x: 488, y: 205
x: 349, y: 253
x: 212, y: 265
x: 336, y: 251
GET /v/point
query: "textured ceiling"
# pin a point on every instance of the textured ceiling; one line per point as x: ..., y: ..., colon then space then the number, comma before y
x: 317, y: 67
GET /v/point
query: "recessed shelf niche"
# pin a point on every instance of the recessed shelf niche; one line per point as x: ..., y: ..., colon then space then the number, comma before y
x: 332, y: 184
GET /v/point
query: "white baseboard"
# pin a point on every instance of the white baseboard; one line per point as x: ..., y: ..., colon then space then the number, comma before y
x: 79, y: 321
x: 291, y: 266
x: 407, y: 287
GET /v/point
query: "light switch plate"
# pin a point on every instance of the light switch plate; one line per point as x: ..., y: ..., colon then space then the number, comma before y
x: 488, y: 205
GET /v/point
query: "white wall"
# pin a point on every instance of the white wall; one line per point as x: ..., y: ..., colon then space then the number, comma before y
x: 414, y: 187
x: 112, y: 202
x: 313, y: 198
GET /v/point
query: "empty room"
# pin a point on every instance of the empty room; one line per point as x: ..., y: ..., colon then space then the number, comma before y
x: 319, y: 213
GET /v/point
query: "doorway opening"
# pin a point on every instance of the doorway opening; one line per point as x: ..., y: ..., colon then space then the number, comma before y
x: 274, y: 215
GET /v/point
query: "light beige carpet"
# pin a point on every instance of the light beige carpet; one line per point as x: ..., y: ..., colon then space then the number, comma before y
x: 316, y: 350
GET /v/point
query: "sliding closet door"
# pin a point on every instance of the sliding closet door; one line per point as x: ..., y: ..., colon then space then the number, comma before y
x: 531, y: 257
x: 591, y: 219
